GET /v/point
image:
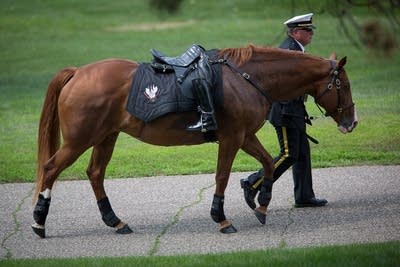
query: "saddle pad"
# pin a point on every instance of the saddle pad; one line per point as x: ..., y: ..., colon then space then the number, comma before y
x: 155, y: 94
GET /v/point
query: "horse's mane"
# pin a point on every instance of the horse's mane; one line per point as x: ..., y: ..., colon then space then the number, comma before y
x: 238, y: 55
x: 243, y: 54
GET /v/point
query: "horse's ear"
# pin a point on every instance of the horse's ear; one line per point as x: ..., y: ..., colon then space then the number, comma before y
x: 342, y: 62
x: 333, y: 56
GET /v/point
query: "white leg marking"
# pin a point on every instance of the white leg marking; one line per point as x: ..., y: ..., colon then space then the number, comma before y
x: 46, y: 193
x: 39, y: 226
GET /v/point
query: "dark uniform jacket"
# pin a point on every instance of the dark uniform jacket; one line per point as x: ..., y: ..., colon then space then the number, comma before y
x: 291, y: 113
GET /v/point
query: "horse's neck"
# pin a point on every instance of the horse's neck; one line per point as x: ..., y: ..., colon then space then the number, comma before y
x: 291, y: 77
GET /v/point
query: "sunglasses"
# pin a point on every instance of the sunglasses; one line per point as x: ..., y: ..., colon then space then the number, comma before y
x: 307, y: 29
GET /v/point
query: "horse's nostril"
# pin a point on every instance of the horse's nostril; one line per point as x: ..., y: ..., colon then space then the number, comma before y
x: 353, y: 125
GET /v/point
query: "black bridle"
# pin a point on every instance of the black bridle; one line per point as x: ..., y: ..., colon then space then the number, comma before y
x: 334, y: 82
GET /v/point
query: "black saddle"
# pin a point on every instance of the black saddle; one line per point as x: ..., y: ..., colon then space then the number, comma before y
x: 194, y: 63
x: 183, y: 66
x: 184, y: 60
x: 165, y: 84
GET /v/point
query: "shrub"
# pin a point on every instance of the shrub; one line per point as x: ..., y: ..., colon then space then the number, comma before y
x: 170, y: 6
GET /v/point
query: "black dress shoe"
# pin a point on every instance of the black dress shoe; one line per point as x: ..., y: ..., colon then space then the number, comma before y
x: 249, y: 193
x: 312, y: 202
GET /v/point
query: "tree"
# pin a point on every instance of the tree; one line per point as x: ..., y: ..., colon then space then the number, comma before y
x: 169, y: 6
x: 372, y: 33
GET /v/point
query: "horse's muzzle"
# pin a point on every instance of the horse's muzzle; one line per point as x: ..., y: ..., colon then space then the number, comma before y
x: 349, y: 129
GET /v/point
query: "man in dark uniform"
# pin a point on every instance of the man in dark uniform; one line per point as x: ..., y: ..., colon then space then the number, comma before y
x: 289, y: 119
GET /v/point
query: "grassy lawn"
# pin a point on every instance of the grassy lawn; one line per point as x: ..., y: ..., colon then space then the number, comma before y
x: 41, y: 37
x: 374, y: 255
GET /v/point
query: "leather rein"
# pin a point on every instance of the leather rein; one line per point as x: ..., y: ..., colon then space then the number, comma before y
x: 246, y: 76
x: 335, y: 81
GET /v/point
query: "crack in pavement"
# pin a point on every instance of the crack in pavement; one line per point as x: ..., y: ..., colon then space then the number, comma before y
x: 156, y: 244
x: 17, y: 225
x: 282, y: 242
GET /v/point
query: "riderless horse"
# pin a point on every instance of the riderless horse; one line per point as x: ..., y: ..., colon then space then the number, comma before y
x: 86, y: 106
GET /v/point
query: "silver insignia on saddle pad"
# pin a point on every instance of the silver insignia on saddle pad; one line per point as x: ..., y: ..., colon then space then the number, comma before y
x: 151, y: 92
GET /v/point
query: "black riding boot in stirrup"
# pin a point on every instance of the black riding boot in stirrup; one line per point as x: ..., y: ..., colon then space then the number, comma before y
x: 207, y: 120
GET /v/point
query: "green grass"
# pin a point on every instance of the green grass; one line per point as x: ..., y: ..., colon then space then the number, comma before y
x: 374, y: 255
x: 41, y: 37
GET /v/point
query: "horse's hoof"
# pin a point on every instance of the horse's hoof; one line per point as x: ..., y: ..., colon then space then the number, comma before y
x: 39, y: 230
x: 124, y: 230
x: 230, y: 229
x: 260, y: 216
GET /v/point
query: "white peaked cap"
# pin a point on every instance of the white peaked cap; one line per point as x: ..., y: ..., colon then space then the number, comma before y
x: 300, y: 21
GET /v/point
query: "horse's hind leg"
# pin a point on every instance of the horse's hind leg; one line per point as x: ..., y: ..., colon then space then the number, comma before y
x: 63, y: 158
x: 99, y: 160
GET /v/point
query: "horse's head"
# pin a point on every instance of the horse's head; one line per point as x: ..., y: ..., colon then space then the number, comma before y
x: 334, y: 95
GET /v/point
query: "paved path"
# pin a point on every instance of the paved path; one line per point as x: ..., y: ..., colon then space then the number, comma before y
x: 170, y: 215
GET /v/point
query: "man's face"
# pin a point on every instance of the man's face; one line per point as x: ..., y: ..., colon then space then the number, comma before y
x: 303, y: 35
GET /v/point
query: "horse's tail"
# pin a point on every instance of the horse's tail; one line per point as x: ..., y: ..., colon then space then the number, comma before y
x: 49, y: 126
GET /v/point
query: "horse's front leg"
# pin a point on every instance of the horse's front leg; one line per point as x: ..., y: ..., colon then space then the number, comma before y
x: 226, y: 154
x: 253, y: 147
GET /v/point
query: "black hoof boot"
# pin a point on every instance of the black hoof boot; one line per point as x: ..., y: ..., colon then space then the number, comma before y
x: 124, y: 230
x: 262, y: 218
x: 249, y: 193
x: 40, y: 231
x: 230, y: 229
x: 40, y: 214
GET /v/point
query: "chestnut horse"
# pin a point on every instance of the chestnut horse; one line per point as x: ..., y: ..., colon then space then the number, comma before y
x: 87, y: 106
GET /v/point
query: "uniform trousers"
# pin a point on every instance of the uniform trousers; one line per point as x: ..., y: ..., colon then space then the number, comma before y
x: 295, y: 153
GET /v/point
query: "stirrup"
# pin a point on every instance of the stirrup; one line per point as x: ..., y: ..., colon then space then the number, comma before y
x: 204, y: 124
x: 202, y: 127
x: 198, y: 126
